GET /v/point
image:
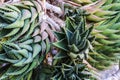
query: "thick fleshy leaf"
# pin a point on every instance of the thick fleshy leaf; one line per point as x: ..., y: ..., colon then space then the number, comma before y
x: 60, y: 55
x: 68, y: 35
x: 70, y: 25
x: 61, y: 44
x: 59, y: 35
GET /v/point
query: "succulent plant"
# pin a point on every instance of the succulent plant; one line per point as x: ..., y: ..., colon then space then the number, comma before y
x: 106, y: 48
x: 106, y: 44
x: 95, y: 9
x: 38, y: 42
x: 25, y: 38
x: 73, y: 43
x: 70, y: 72
x: 106, y: 30
x: 74, y: 39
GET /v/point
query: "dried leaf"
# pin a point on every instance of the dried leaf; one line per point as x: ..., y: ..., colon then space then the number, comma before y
x: 43, y: 26
x: 92, y: 8
x: 2, y: 1
x: 44, y: 35
x: 54, y: 8
x: 57, y: 27
x: 58, y: 20
x: 50, y: 33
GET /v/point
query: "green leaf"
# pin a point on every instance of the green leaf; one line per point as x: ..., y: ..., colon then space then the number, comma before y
x: 60, y: 55
x: 19, y: 71
x: 59, y: 35
x: 48, y: 45
x: 73, y: 48
x: 26, y: 14
x: 80, y: 67
x: 17, y: 24
x: 4, y: 32
x: 68, y: 34
x: 70, y: 25
x: 86, y: 33
x: 43, y: 46
x: 81, y: 27
x: 61, y: 44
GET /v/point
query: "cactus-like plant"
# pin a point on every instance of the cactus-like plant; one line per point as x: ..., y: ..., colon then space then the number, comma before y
x: 25, y: 36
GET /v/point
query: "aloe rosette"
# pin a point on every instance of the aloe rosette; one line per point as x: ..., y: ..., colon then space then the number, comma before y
x: 73, y: 43
x: 25, y: 36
